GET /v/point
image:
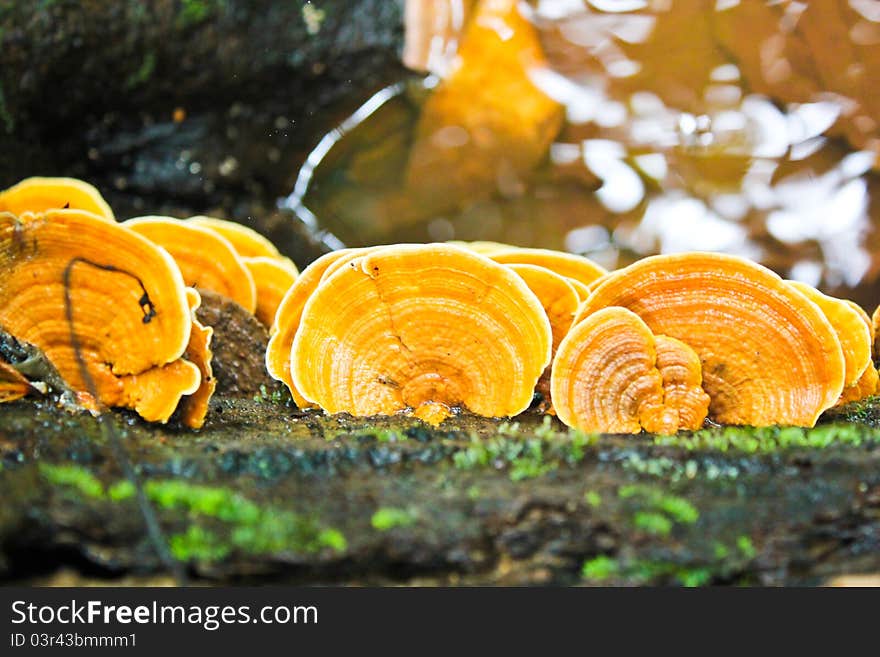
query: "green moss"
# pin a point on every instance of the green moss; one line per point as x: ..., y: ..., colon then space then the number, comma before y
x: 658, y: 510
x: 73, y: 476
x: 276, y: 396
x: 692, y: 577
x: 251, y: 528
x: 593, y: 498
x: 678, y: 508
x: 642, y: 571
x: 531, y: 463
x: 121, y: 490
x: 746, y: 547
x: 193, y: 12
x: 753, y: 440
x: 197, y: 544
x: 720, y: 551
x: 525, y: 458
x: 387, y: 518
x: 139, y: 77
x: 389, y: 436
x: 653, y: 523
x: 600, y: 568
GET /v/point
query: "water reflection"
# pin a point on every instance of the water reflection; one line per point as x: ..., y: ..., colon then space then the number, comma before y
x: 621, y: 128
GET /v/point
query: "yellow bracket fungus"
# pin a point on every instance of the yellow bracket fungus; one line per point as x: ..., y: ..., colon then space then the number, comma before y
x: 426, y: 328
x: 768, y: 354
x: 13, y: 384
x: 612, y: 375
x: 853, y: 332
x: 247, y: 242
x: 194, y: 408
x: 560, y: 301
x: 207, y: 260
x: 272, y: 278
x: 41, y: 194
x: 287, y: 320
x: 92, y: 294
x: 581, y: 269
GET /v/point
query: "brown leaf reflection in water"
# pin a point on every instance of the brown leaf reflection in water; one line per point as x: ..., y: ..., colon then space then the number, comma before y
x: 748, y: 127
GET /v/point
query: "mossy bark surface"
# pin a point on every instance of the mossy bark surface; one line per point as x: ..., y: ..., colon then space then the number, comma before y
x: 268, y: 493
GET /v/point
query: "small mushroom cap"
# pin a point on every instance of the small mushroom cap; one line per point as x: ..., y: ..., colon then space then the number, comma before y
x: 156, y: 393
x: 875, y: 329
x: 287, y: 320
x: 41, y: 194
x: 582, y: 290
x: 866, y: 386
x: 483, y: 247
x: 194, y: 408
x: 682, y: 374
x: 611, y: 375
x: 206, y: 260
x: 273, y: 278
x: 769, y: 355
x: 421, y: 324
x: 13, y: 384
x: 556, y: 294
x: 247, y: 242
x: 129, y: 309
x: 560, y: 301
x: 573, y: 266
x: 852, y: 331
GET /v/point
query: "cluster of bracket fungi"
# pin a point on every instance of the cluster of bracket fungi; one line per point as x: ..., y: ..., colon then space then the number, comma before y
x: 425, y: 329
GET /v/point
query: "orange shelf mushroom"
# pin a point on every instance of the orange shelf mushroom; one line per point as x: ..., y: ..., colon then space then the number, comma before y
x: 247, y: 242
x: 206, y: 260
x: 579, y: 268
x: 287, y: 320
x: 41, y: 194
x: 273, y: 278
x: 73, y: 283
x: 483, y: 247
x: 194, y: 408
x: 768, y: 354
x: 853, y: 332
x: 612, y: 375
x: 426, y: 328
x: 560, y: 301
x: 13, y: 384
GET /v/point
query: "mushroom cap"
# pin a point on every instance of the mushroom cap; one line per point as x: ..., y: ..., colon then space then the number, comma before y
x: 582, y: 290
x: 875, y: 329
x: 40, y: 194
x: 483, y: 247
x: 273, y: 278
x: 206, y: 259
x: 13, y: 384
x: 556, y: 294
x: 849, y: 325
x: 194, y: 408
x: 156, y: 393
x: 415, y: 325
x: 768, y: 354
x: 560, y: 301
x: 247, y: 242
x: 866, y: 386
x: 287, y: 320
x: 129, y: 309
x: 682, y: 374
x: 611, y: 375
x: 573, y: 266
x: 346, y: 259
